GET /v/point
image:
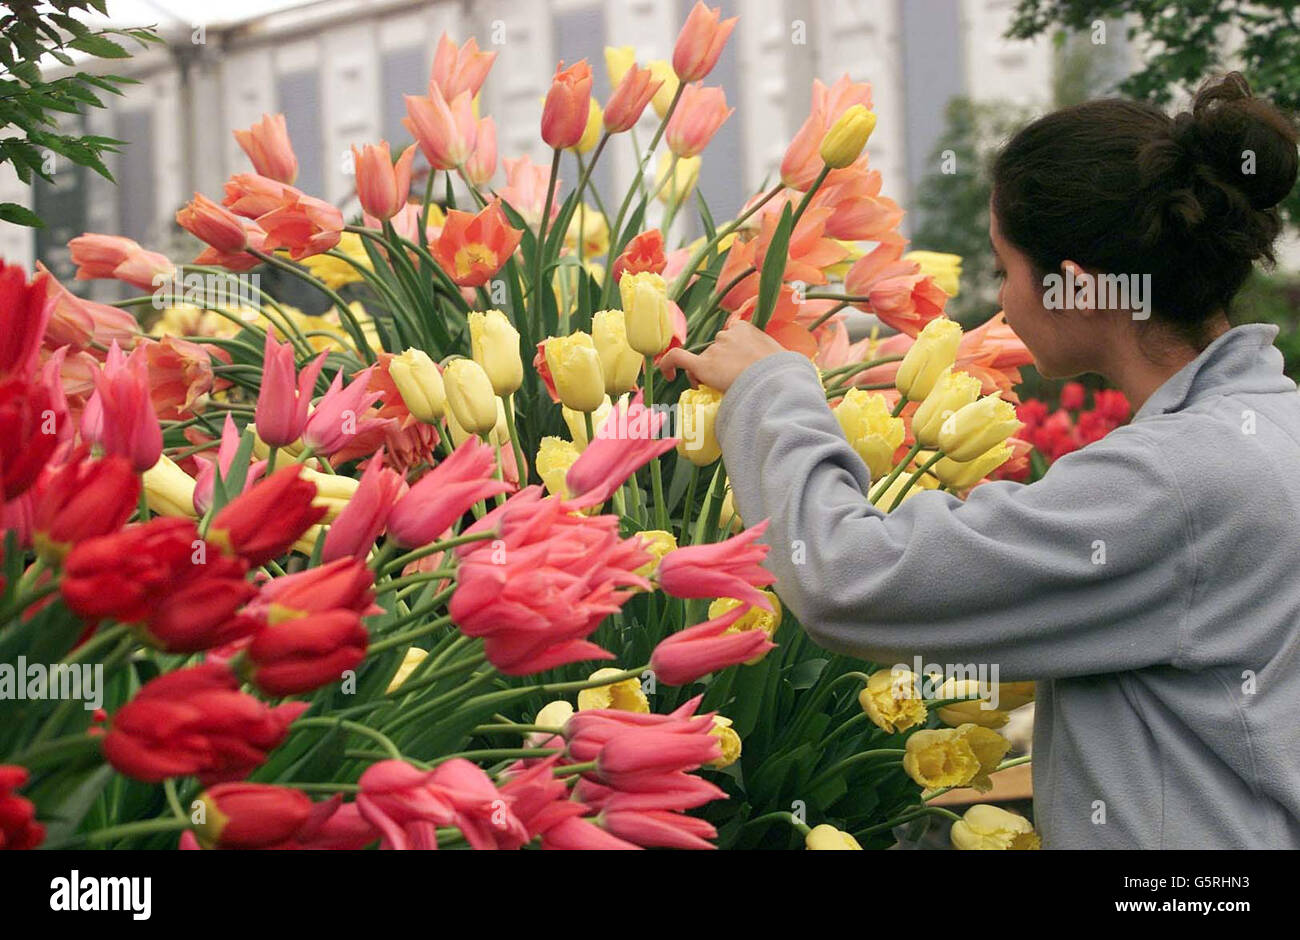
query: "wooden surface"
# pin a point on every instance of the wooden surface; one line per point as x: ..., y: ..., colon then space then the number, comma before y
x: 1014, y: 783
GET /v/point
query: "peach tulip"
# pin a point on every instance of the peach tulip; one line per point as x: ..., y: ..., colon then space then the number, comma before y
x: 459, y: 69
x: 446, y: 131
x: 214, y: 224
x: 631, y: 96
x: 700, y: 112
x: 382, y: 186
x: 268, y: 147
x: 568, y: 106
x: 472, y: 248
x: 112, y: 256
x: 700, y: 42
x: 482, y: 164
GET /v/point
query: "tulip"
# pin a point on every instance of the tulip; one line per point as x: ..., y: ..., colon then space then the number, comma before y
x: 170, y: 491
x: 472, y: 248
x: 482, y: 164
x: 645, y: 252
x: 382, y: 186
x: 885, y: 501
x: 281, y: 411
x: 827, y: 837
x: 633, y: 91
x: 591, y: 133
x: 419, y: 382
x: 625, y: 695
x: 201, y: 612
x: 24, y: 315
x: 658, y: 828
x: 30, y: 427
x: 336, y: 419
x: 264, y: 522
x: 568, y: 106
x: 445, y: 128
x: 445, y: 493
x: 958, y: 475
x: 892, y: 700
x: 495, y: 345
x: 721, y: 569
x: 943, y: 267
x: 907, y: 302
x: 698, y: 411
x: 554, y: 458
x: 646, y: 312
x: 619, y: 60
x: 699, y: 114
x: 525, y: 189
x: 976, y: 710
x: 302, y: 225
x: 333, y: 491
x: 305, y: 653
x: 752, y: 618
x: 19, y: 829
x: 620, y: 364
x: 663, y: 73
x: 353, y: 532
x: 870, y: 429
x: 992, y: 827
x: 954, y: 757
x: 618, y: 452
x: 343, y: 584
x: 120, y: 416
x: 976, y: 428
x: 700, y: 42
x: 125, y: 574
x: 728, y: 739
x: 411, y: 661
x: 845, y: 139
x: 195, y: 722
x: 574, y: 365
x: 707, y: 647
x: 658, y: 543
x: 403, y: 804
x: 213, y: 224
x: 249, y: 815
x: 576, y: 421
x: 470, y: 396
x: 268, y: 147
x: 926, y: 359
x: 459, y: 69
x: 645, y: 759
x: 83, y: 500
x: 952, y: 391
x: 728, y: 519
x: 112, y: 256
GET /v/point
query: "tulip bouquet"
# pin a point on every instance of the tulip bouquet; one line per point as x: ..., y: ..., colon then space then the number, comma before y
x: 450, y: 563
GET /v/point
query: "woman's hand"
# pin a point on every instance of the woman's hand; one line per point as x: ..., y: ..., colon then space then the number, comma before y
x: 736, y: 347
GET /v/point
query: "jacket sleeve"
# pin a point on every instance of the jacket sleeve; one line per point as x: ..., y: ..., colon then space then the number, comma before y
x: 1089, y: 570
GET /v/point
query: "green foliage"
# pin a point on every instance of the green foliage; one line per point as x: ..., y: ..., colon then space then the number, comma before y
x: 1273, y: 299
x: 30, y: 105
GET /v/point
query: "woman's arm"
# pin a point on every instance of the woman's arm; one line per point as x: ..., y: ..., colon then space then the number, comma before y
x: 1086, y: 571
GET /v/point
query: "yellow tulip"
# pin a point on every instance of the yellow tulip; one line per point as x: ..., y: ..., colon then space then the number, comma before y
x: 844, y: 141
x: 169, y: 490
x: 729, y: 739
x: 307, y: 541
x: 658, y: 543
x: 934, y: 351
x: 500, y: 433
x: 591, y: 133
x: 618, y: 59
x: 952, y: 391
x: 728, y: 519
x: 1014, y: 694
x: 960, y: 475
x: 624, y: 695
x: 978, y: 427
x: 420, y: 384
x: 886, y: 499
x: 410, y: 662
x: 756, y: 618
x: 971, y: 711
x: 588, y: 226
x: 870, y: 428
x: 646, y: 315
x: 686, y: 174
x: 335, y: 272
x: 495, y: 345
x: 985, y: 827
x: 620, y: 364
x: 697, y: 410
x: 661, y: 71
x: 826, y: 837
x: 954, y: 757
x: 892, y: 700
x: 555, y: 456
x: 470, y: 396
x: 553, y: 715
x: 577, y: 422
x: 333, y: 491
x: 943, y: 267
x: 575, y: 369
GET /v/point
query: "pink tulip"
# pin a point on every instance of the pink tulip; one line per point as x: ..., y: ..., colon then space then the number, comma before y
x: 119, y: 417
x: 659, y: 829
x: 481, y: 814
x: 446, y: 132
x: 382, y: 186
x: 482, y: 164
x: 459, y: 69
x: 268, y: 147
x: 112, y: 256
x: 305, y: 226
x: 354, y: 532
x: 281, y: 413
x: 646, y: 760
x: 525, y: 189
x: 627, y: 441
x: 213, y: 224
x: 568, y: 106
x: 337, y: 417
x: 25, y: 310
x: 404, y: 804
x: 589, y: 731
x: 206, y: 477
x: 908, y: 302
x: 723, y: 569
x: 629, y: 99
x: 700, y: 112
x: 700, y: 42
x: 682, y: 792
x: 445, y: 493
x: 685, y: 656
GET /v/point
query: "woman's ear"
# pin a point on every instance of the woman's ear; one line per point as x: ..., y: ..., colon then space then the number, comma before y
x: 1078, y: 287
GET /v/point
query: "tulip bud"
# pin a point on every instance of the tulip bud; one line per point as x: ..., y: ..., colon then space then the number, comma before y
x: 935, y: 349
x: 729, y: 739
x: 619, y: 363
x: 871, y: 430
x: 662, y: 71
x: 553, y: 715
x: 250, y: 815
x: 618, y: 60
x: 952, y: 391
x: 844, y: 141
x: 698, y: 410
x: 978, y: 427
x: 976, y: 710
x: 961, y: 475
x: 658, y: 543
x: 827, y: 837
x: 755, y: 618
x: 470, y: 396
x: 625, y: 695
x: 410, y: 662
x: 647, y: 318
x: 577, y: 422
x: 420, y: 384
x: 495, y: 344
x: 333, y: 491
x: 575, y: 368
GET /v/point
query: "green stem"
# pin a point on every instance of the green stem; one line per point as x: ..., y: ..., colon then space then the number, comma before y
x: 888, y: 481
x: 911, y: 481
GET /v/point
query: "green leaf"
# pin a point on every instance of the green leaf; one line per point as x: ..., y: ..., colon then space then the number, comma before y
x: 99, y: 46
x: 774, y: 261
x: 12, y: 212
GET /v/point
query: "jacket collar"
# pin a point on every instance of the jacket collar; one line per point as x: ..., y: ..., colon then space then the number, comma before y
x: 1241, y: 360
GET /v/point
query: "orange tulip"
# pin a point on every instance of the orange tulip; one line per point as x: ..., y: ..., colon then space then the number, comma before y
x: 382, y: 186
x: 482, y: 164
x: 213, y: 224
x: 803, y: 160
x: 700, y: 112
x: 112, y: 256
x: 446, y: 132
x: 631, y: 96
x: 254, y: 238
x: 700, y: 42
x: 267, y: 145
x: 568, y: 106
x: 472, y: 248
x: 459, y: 69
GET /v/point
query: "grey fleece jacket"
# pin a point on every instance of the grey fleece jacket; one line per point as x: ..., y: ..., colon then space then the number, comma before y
x: 1148, y: 583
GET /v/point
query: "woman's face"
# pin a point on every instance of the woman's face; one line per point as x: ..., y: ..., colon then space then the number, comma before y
x: 1058, y: 339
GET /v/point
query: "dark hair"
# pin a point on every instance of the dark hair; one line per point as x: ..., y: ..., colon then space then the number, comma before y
x: 1121, y: 187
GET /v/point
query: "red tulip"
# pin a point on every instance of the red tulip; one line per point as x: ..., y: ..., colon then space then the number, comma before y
x: 25, y: 310
x: 445, y: 493
x: 30, y: 425
x: 568, y: 106
x: 195, y: 722
x: 685, y: 656
x: 18, y: 826
x: 345, y: 584
x: 723, y: 569
x: 304, y: 653
x: 124, y: 575
x: 264, y: 522
x: 251, y: 815
x: 201, y: 612
x: 281, y: 403
x: 82, y: 500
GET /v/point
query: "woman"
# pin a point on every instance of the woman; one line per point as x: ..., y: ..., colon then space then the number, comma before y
x: 1149, y: 581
